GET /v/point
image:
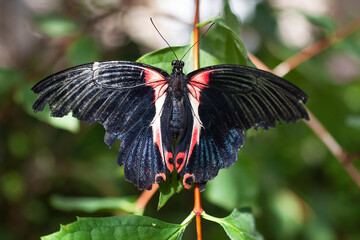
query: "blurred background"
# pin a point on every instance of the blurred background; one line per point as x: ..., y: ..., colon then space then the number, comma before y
x: 295, y: 187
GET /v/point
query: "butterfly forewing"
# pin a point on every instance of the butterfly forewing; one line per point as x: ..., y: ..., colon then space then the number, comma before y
x: 123, y: 97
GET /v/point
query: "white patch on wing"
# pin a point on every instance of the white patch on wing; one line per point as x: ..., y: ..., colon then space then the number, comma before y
x: 197, y: 125
x: 195, y: 110
x: 95, y: 70
x: 156, y: 124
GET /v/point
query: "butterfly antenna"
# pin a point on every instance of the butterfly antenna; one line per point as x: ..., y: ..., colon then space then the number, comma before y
x: 163, y: 38
x: 197, y: 41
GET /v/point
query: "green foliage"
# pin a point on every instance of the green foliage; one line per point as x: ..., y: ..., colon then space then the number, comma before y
x: 92, y: 204
x: 55, y: 26
x: 169, y: 188
x: 230, y: 49
x: 162, y: 58
x: 116, y: 228
x: 26, y: 98
x: 83, y: 50
x: 238, y: 225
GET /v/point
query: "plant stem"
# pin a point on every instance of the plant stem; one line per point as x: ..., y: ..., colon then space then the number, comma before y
x: 144, y: 198
x: 197, y: 203
x: 197, y: 210
x: 317, y: 47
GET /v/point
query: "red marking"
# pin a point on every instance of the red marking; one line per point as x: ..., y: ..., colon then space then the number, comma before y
x: 201, y: 79
x: 198, y: 82
x: 156, y: 81
x: 157, y: 141
x: 168, y: 156
x: 186, y: 176
x: 178, y: 156
x: 162, y: 175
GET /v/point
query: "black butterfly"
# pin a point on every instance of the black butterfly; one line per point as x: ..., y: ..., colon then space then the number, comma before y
x: 204, y: 112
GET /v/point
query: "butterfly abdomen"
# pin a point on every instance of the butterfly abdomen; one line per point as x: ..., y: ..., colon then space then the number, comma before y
x: 177, y: 122
x: 178, y: 117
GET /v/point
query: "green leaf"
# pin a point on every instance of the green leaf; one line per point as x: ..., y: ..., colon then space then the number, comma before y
x: 169, y: 188
x: 93, y: 204
x: 162, y: 58
x: 55, y: 26
x: 353, y: 121
x: 238, y: 225
x: 229, y: 49
x: 83, y: 50
x: 119, y: 227
x: 230, y: 18
x: 26, y: 98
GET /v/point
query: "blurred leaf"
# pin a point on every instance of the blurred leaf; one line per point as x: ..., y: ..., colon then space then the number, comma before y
x: 119, y: 227
x: 92, y: 204
x: 352, y: 97
x: 83, y: 50
x: 288, y: 211
x: 317, y: 229
x: 321, y: 21
x: 26, y: 98
x: 162, y: 58
x: 12, y: 185
x: 353, y: 121
x: 351, y: 45
x: 239, y: 225
x: 169, y: 188
x: 19, y: 144
x: 9, y: 78
x: 238, y: 183
x: 55, y: 26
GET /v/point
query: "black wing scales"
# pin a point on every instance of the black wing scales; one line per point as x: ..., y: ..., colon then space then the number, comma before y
x: 227, y: 100
x: 243, y: 97
x: 119, y: 95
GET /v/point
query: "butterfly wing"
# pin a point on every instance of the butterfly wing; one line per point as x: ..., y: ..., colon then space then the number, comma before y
x: 226, y: 100
x: 127, y: 98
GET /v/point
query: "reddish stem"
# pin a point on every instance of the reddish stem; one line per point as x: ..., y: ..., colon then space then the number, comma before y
x: 197, y: 203
x: 145, y: 197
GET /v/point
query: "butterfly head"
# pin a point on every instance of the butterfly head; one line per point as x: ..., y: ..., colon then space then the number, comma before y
x: 177, y: 66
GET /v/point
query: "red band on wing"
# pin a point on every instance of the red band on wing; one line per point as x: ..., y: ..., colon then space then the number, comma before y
x: 156, y: 81
x: 201, y: 79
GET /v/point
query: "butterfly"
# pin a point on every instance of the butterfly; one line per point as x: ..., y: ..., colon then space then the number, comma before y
x: 192, y: 123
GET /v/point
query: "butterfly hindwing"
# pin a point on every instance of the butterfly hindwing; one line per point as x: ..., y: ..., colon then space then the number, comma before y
x: 126, y: 98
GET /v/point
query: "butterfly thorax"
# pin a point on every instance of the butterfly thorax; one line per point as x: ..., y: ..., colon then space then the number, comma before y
x: 177, y: 90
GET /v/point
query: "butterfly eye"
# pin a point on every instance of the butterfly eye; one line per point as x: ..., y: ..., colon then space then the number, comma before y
x: 181, y: 63
x: 173, y: 63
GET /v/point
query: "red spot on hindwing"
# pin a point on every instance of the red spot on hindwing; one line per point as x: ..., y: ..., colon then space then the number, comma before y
x: 169, y: 161
x: 160, y: 177
x: 180, y: 161
x: 188, y: 179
